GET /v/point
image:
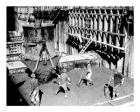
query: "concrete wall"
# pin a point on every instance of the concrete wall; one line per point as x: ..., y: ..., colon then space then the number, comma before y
x: 129, y: 58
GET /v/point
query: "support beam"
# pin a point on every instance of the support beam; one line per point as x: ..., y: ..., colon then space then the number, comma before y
x: 120, y: 48
x: 101, y: 14
x: 118, y: 34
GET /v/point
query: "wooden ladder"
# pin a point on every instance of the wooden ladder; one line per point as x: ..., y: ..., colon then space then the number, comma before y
x: 86, y: 46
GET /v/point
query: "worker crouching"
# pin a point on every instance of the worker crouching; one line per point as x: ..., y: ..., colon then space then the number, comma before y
x: 86, y: 78
x: 64, y: 81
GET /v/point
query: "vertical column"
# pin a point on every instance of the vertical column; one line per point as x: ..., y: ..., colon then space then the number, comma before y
x: 55, y: 38
x: 112, y: 27
x: 126, y: 46
x: 103, y: 22
x: 94, y: 36
x: 76, y: 22
x: 65, y: 30
x: 69, y: 19
x: 95, y: 26
x: 79, y: 21
x: 98, y: 35
x: 108, y: 35
x: 85, y: 25
x: 94, y: 21
x: 98, y: 22
x: 59, y: 35
x: 104, y: 29
x: 106, y: 23
x: 73, y: 19
x: 118, y: 37
x: 82, y: 20
x: 91, y: 22
x: 111, y: 24
x: 100, y: 28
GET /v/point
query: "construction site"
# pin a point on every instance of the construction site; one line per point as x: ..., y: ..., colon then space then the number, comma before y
x: 46, y: 42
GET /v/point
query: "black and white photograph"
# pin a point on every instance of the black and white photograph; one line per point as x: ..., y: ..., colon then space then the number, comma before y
x: 66, y: 55
x: 70, y: 55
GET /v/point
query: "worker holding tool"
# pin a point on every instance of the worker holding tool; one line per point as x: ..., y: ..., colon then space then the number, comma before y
x: 86, y: 78
x: 63, y: 83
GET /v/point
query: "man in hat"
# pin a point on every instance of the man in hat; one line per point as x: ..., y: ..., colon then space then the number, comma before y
x: 86, y: 78
x: 63, y: 83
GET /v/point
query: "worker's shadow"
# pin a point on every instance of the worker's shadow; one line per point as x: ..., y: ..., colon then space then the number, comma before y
x: 19, y: 84
x: 40, y: 95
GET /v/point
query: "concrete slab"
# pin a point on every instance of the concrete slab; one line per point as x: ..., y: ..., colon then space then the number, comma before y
x: 78, y: 96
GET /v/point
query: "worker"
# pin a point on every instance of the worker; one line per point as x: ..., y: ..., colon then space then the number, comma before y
x: 108, y: 89
x: 118, y: 81
x: 44, y: 52
x: 34, y: 95
x: 63, y: 83
x: 34, y: 81
x: 86, y: 78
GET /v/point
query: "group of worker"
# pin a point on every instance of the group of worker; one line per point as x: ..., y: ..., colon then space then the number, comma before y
x: 63, y: 84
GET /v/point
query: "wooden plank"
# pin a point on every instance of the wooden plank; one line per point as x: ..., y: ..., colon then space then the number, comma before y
x: 92, y: 14
x: 101, y: 31
x: 121, y: 48
x: 17, y: 42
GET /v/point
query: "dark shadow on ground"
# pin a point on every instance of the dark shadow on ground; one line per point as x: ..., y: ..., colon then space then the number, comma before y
x: 14, y: 97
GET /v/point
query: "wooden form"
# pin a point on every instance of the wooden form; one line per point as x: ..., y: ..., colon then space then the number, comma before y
x: 102, y: 25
